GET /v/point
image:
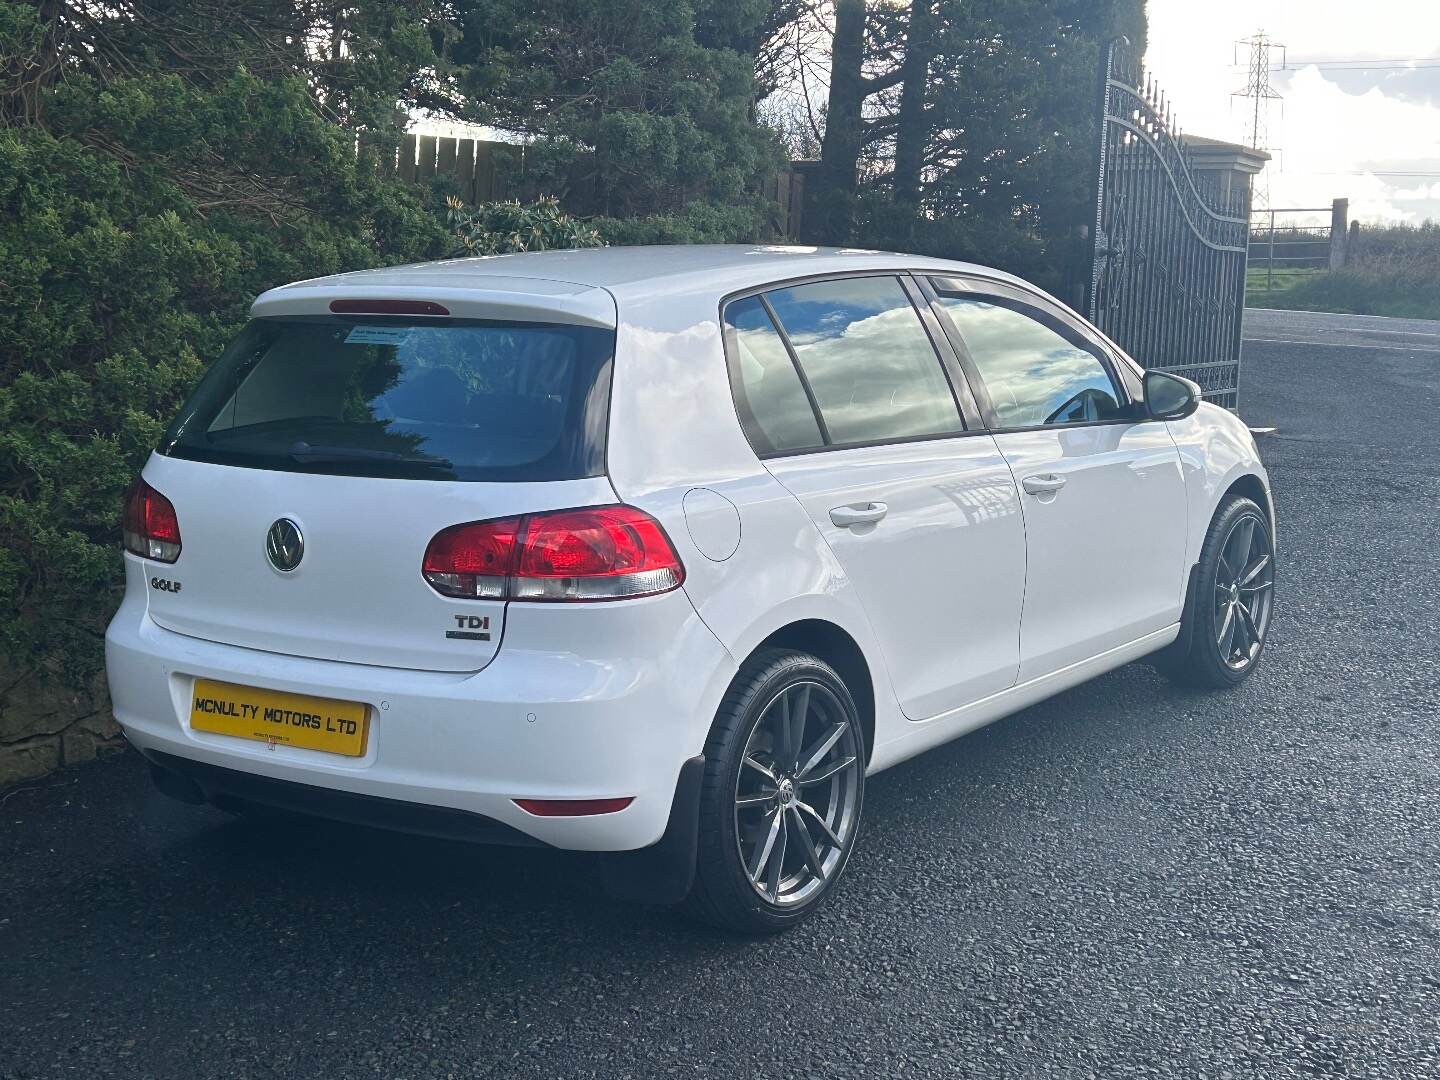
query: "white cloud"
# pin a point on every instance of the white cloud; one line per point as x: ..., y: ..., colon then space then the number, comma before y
x: 1331, y: 143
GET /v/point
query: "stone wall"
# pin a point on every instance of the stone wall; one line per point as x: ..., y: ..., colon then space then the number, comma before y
x: 44, y: 725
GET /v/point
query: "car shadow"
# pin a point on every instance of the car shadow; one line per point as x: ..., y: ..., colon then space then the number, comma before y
x: 302, y: 925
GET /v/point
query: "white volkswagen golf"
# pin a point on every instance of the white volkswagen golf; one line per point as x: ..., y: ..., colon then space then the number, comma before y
x: 660, y: 552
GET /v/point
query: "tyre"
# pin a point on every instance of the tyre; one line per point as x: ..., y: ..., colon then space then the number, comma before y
x: 1232, y: 597
x: 782, y: 795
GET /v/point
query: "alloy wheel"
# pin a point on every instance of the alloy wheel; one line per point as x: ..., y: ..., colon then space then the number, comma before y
x: 796, y: 794
x: 1244, y: 591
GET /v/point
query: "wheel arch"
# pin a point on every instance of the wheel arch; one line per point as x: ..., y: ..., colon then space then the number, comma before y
x: 833, y: 644
x: 1253, y: 488
x: 1250, y: 486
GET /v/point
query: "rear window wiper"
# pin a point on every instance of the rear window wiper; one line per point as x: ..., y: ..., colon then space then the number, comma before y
x: 306, y: 454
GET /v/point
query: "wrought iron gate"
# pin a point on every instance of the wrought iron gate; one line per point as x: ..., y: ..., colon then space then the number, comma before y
x: 1167, y: 276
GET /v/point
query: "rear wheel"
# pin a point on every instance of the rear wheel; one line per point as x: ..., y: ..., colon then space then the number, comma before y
x: 1232, y: 597
x: 782, y: 796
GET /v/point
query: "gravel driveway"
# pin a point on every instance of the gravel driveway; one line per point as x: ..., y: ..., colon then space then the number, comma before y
x: 1127, y: 880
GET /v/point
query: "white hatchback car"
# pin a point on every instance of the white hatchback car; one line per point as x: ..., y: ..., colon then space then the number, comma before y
x: 660, y: 551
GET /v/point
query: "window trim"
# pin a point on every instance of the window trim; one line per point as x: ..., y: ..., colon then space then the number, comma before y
x: 960, y: 383
x: 740, y: 397
x: 1049, y: 312
x: 943, y: 354
x: 789, y: 347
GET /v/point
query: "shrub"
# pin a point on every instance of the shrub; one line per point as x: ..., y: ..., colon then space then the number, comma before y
x: 503, y: 227
x: 746, y: 220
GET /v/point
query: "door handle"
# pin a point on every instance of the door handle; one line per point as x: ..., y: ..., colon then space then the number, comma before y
x: 858, y: 514
x: 1048, y: 484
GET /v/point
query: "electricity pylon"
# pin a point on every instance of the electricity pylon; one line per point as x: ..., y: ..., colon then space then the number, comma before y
x: 1259, y: 93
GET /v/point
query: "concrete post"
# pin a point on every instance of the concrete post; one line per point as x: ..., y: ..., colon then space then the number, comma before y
x: 1339, y: 232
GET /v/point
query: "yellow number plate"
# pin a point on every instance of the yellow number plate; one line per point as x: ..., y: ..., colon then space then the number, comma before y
x: 269, y: 716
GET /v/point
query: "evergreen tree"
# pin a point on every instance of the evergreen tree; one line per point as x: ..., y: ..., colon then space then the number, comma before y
x: 1013, y: 118
x: 638, y: 109
x: 966, y: 128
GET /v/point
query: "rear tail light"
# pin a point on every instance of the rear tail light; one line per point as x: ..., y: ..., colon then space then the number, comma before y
x: 151, y: 529
x: 599, y: 553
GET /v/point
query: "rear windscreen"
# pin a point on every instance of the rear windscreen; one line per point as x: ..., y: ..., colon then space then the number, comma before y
x: 383, y: 397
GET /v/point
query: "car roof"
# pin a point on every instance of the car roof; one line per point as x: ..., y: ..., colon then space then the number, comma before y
x: 713, y: 269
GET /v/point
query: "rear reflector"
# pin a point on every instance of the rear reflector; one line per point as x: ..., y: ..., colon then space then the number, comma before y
x: 573, y: 807
x: 151, y: 529
x: 387, y: 307
x: 598, y: 553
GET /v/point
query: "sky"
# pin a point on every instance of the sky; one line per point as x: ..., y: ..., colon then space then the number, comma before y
x: 1340, y: 130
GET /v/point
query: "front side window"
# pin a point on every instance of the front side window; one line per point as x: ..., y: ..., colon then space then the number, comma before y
x: 382, y: 397
x: 874, y: 374
x: 1035, y: 375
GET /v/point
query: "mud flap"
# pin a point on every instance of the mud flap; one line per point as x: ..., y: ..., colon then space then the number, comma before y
x: 663, y: 872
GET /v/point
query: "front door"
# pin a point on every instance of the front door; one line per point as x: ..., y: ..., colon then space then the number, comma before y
x: 1102, y: 489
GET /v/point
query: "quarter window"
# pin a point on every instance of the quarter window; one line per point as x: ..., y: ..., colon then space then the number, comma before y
x: 869, y: 363
x: 769, y: 396
x: 1036, y: 375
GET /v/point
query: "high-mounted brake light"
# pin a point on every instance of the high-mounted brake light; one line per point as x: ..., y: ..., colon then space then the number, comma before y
x: 387, y: 307
x: 598, y: 553
x: 151, y: 529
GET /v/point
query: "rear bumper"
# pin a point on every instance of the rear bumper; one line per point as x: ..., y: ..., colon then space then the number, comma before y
x: 592, y: 701
x: 195, y: 781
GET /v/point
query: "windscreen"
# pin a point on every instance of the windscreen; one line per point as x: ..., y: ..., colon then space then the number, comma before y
x: 384, y: 397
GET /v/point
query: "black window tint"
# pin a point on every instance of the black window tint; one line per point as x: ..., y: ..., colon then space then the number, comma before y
x: 868, y: 359
x: 771, y: 401
x: 1035, y: 375
x: 449, y: 401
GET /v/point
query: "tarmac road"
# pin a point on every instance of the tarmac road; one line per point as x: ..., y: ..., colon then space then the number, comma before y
x: 1127, y: 880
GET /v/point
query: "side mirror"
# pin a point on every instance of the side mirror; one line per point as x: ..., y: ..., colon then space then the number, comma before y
x: 1170, y: 397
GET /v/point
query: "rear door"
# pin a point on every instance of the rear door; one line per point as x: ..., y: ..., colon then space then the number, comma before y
x: 321, y: 454
x: 841, y: 391
x: 1101, y: 486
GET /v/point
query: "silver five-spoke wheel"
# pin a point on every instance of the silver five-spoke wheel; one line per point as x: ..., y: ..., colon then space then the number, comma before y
x: 1230, y: 603
x: 1244, y: 585
x: 796, y: 793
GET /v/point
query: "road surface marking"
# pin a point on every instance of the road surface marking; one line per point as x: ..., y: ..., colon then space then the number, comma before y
x: 1341, y: 345
x: 1333, y: 314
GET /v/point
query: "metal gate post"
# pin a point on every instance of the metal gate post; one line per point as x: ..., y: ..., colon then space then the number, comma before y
x: 1098, y: 242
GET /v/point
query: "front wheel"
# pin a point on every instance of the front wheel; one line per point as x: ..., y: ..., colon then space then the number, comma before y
x: 1232, y: 597
x: 782, y: 795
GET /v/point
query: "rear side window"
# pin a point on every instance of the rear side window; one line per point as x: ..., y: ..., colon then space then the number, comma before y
x: 383, y: 397
x: 769, y: 396
x: 868, y: 360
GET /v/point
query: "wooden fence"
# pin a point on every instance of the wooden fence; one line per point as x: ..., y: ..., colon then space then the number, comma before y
x: 786, y: 189
x: 482, y: 170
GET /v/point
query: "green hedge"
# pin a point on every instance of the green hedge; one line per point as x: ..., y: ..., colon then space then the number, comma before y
x: 1393, y: 270
x: 136, y: 226
x: 1399, y: 294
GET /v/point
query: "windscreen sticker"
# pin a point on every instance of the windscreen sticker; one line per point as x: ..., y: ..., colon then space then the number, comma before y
x: 377, y: 335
